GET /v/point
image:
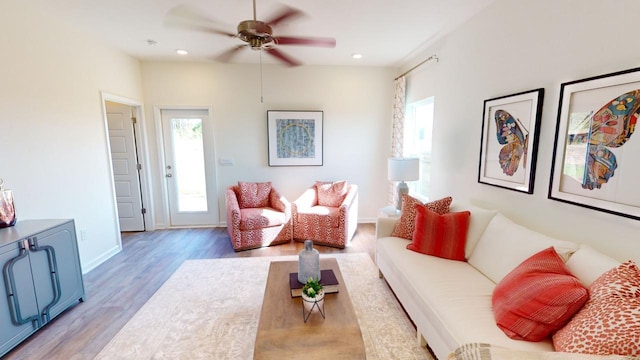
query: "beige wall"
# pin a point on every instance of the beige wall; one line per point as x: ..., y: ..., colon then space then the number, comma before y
x: 52, y: 137
x: 356, y: 102
x: 515, y: 46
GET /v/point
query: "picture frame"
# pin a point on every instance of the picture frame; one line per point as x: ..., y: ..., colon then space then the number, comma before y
x: 295, y: 138
x: 595, y: 154
x: 509, y: 140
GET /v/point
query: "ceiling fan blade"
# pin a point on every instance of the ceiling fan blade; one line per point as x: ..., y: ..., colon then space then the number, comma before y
x: 285, y: 58
x: 227, y: 55
x: 186, y: 17
x: 285, y: 13
x: 314, y: 41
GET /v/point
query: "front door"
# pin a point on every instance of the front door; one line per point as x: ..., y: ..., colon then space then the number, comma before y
x: 124, y: 160
x: 188, y: 155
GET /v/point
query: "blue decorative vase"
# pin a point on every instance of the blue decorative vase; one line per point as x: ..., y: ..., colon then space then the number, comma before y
x: 308, y: 263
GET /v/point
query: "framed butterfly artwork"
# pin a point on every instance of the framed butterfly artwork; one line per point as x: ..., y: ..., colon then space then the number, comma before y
x: 596, y: 156
x: 509, y: 142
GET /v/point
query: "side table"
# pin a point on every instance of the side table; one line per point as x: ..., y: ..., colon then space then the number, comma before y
x: 389, y: 212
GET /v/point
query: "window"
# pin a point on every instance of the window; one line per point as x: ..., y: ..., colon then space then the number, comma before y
x: 418, y: 131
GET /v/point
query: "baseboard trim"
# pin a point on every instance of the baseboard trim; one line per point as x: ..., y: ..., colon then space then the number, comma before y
x: 99, y: 260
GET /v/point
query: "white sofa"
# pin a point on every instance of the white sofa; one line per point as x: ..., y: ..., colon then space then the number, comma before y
x: 450, y: 301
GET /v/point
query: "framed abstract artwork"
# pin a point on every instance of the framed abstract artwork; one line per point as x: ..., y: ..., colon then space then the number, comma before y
x: 596, y: 156
x: 509, y: 141
x: 295, y: 138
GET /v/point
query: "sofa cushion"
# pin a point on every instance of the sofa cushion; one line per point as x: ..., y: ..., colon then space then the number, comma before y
x: 609, y: 323
x: 331, y: 193
x: 440, y: 235
x: 451, y: 298
x: 253, y: 195
x: 505, y: 244
x: 588, y: 264
x: 258, y: 218
x: 322, y: 216
x: 478, y: 222
x: 538, y: 297
x: 406, y: 224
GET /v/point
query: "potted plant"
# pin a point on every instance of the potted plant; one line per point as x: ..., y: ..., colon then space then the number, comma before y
x: 313, y: 297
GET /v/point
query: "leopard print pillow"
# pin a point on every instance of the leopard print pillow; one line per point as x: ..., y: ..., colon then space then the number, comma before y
x: 407, y: 222
x: 609, y: 323
x: 253, y: 195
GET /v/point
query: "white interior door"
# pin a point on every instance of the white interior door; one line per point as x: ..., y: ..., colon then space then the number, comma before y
x: 188, y: 155
x: 124, y: 161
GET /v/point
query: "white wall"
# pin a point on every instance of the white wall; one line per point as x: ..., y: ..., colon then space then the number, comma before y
x: 514, y: 46
x: 357, y: 119
x: 52, y: 138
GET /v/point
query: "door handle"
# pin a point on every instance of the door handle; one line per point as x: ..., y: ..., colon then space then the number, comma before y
x: 53, y: 271
x: 169, y: 175
x: 12, y: 295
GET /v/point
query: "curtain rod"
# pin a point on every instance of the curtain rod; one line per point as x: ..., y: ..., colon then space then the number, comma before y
x: 432, y: 57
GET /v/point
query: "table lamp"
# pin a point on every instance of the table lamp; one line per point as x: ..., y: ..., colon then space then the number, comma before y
x: 403, y: 169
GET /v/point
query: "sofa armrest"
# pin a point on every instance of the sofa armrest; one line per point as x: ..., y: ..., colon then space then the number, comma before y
x: 350, y: 198
x: 308, y: 198
x: 233, y: 208
x: 385, y: 226
x: 280, y: 203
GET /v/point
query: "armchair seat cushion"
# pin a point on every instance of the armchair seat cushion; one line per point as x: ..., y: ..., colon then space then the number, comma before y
x: 321, y: 216
x: 258, y: 218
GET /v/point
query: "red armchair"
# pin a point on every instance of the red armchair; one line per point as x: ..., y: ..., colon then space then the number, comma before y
x: 326, y: 213
x: 257, y: 216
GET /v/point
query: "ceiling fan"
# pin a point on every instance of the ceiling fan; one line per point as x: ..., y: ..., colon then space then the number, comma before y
x: 256, y: 34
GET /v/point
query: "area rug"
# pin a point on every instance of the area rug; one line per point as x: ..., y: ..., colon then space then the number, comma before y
x: 209, y: 309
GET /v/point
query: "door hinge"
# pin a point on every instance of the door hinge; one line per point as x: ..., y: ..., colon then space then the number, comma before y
x: 139, y: 166
x: 144, y: 211
x: 134, y: 120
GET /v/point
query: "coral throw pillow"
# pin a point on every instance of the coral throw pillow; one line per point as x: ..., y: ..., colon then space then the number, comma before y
x: 253, y: 195
x: 609, y: 323
x: 538, y: 297
x: 443, y: 236
x: 331, y: 193
x: 406, y: 223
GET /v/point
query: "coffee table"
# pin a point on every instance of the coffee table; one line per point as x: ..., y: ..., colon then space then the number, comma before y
x: 282, y: 333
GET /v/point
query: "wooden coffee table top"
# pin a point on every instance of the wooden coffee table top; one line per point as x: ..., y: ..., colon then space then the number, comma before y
x: 282, y: 333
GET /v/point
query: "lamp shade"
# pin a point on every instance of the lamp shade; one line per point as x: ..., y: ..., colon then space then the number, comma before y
x: 403, y: 169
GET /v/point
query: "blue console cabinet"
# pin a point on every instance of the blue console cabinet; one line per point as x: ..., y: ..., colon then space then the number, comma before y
x: 41, y: 277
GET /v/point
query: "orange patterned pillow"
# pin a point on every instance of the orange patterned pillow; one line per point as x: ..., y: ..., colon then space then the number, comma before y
x: 407, y: 222
x: 537, y: 298
x: 331, y: 193
x: 253, y: 195
x: 440, y: 235
x: 609, y: 323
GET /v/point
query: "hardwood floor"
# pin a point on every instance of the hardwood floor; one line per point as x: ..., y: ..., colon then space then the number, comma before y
x: 119, y: 287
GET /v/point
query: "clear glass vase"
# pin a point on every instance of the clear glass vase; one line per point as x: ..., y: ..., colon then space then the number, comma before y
x: 308, y: 263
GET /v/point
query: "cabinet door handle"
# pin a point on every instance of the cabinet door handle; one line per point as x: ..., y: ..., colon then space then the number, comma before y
x: 12, y: 294
x: 53, y: 271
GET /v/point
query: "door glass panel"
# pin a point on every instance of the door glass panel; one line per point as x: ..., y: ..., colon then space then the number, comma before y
x: 189, y: 164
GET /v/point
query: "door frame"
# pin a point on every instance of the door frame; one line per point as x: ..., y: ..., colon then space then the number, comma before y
x: 143, y: 158
x: 157, y: 114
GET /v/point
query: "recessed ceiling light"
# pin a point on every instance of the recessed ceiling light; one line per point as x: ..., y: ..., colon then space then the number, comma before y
x: 182, y: 52
x: 356, y: 56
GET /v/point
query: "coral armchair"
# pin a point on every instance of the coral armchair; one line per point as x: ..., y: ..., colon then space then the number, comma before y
x: 326, y: 213
x: 257, y: 216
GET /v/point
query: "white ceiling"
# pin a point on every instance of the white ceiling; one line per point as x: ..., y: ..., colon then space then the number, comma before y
x: 385, y: 32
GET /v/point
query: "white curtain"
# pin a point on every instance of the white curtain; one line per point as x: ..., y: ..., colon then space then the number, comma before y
x: 397, y: 132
